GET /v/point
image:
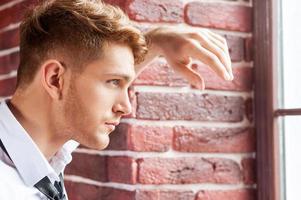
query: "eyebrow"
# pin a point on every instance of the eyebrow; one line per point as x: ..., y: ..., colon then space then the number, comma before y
x: 124, y: 76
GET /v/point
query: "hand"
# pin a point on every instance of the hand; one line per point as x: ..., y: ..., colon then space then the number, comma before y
x: 179, y: 47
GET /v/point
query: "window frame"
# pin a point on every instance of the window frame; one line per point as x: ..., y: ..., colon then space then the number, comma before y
x: 267, y: 112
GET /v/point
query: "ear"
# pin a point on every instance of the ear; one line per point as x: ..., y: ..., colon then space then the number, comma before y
x: 53, y: 78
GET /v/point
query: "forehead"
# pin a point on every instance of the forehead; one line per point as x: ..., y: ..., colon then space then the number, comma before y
x: 115, y: 59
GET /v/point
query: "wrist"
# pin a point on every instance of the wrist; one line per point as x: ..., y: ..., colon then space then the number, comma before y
x: 154, y: 40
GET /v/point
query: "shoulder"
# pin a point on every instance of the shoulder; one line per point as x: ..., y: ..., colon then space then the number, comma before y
x: 9, y: 174
x: 9, y: 178
x: 13, y: 184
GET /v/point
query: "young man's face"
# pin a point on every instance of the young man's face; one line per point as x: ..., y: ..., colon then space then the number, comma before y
x: 98, y: 97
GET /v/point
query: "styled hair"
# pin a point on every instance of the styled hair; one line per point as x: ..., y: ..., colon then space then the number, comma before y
x: 76, y: 29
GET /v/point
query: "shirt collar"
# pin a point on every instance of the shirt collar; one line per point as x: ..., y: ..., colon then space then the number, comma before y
x: 25, y: 154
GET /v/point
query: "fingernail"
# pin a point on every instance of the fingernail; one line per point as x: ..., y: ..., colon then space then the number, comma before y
x: 201, y: 86
x: 227, y: 76
x: 198, y: 86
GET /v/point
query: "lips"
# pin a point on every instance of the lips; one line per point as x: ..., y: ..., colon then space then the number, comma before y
x: 111, y: 125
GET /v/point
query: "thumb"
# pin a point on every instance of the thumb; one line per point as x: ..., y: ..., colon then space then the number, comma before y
x: 185, y: 70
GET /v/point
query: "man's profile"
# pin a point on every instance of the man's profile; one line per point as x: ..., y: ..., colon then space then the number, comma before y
x: 77, y: 62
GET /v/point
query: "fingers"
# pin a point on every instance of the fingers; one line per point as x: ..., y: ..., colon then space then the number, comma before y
x: 218, y: 37
x: 222, y: 43
x: 188, y: 73
x: 199, y: 52
x: 216, y: 47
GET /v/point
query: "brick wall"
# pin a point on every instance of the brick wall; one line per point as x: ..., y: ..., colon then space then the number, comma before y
x: 179, y: 143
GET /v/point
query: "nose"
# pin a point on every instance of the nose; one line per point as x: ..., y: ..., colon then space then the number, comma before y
x: 123, y: 104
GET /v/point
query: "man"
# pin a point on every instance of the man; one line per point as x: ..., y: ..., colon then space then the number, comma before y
x: 77, y: 61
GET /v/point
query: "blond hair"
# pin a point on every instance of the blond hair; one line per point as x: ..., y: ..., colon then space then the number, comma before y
x: 77, y: 28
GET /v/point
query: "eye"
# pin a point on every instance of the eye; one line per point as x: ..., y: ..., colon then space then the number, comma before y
x: 114, y: 82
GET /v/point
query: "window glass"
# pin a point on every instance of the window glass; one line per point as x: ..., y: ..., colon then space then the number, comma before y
x: 290, y: 41
x: 291, y: 131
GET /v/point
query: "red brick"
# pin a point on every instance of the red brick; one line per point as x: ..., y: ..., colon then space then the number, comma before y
x: 141, y: 138
x: 249, y: 49
x: 122, y: 169
x: 188, y: 106
x: 118, y: 138
x: 14, y: 14
x: 116, y: 194
x: 9, y: 39
x: 249, y: 170
x: 188, y: 170
x: 7, y: 86
x: 218, y: 140
x: 159, y: 73
x: 243, y: 79
x: 164, y: 194
x: 119, y: 3
x: 236, y: 47
x: 155, y: 10
x: 239, y: 194
x: 133, y: 101
x: 81, y: 191
x: 88, y: 166
x: 4, y: 2
x: 249, y: 109
x: 219, y: 15
x: 9, y: 63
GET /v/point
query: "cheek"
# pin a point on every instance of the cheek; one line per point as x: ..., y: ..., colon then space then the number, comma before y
x: 101, y: 99
x: 92, y: 107
x: 77, y: 111
x: 87, y: 108
x: 91, y: 103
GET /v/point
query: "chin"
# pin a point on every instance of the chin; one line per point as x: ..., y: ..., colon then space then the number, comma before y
x: 100, y: 142
x: 101, y: 147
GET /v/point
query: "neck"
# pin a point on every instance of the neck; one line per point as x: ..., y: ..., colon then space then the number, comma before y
x: 35, y: 118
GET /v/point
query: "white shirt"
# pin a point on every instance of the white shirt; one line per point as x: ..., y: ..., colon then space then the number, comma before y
x: 28, y: 165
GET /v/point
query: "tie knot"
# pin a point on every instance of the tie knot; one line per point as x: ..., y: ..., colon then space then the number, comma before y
x: 52, y: 191
x: 59, y: 187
